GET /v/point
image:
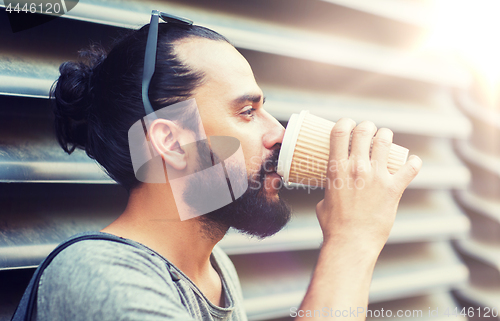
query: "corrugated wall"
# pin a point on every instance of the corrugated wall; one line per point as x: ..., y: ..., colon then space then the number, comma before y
x: 335, y: 58
x: 481, y: 202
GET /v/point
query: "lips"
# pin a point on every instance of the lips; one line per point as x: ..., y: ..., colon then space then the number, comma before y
x: 271, y: 168
x: 274, y: 175
x: 270, y: 171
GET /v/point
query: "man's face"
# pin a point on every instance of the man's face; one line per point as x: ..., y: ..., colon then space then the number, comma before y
x: 231, y: 104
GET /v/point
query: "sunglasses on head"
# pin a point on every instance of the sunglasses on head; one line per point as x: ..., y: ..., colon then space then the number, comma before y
x: 150, y: 55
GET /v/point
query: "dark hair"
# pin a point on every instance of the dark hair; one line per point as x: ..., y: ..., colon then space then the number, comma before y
x: 97, y: 100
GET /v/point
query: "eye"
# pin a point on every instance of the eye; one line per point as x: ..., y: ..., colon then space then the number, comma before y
x: 248, y: 112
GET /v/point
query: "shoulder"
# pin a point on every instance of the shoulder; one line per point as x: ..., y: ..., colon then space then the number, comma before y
x: 105, y: 258
x: 101, y: 279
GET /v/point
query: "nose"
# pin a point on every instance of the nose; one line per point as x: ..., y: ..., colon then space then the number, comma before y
x: 274, y: 133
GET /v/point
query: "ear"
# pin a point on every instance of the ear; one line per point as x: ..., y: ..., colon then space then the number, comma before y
x: 164, y: 136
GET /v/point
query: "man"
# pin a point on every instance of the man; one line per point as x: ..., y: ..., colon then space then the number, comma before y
x: 182, y: 274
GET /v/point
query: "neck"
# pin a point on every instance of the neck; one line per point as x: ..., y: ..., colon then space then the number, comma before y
x: 151, y: 218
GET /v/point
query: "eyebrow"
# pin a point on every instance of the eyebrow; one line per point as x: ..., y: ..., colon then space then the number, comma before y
x: 246, y: 98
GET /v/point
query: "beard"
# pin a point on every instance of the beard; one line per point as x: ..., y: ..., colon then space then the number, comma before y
x: 252, y: 213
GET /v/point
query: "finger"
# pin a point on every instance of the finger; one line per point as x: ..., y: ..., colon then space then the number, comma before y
x: 381, y: 147
x: 361, y: 142
x: 339, y: 139
x: 409, y: 170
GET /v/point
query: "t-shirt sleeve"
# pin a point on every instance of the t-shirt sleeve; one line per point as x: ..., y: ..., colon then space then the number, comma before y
x: 103, y: 280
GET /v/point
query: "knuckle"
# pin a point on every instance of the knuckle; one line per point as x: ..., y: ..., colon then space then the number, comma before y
x: 340, y: 132
x: 413, y: 170
x: 361, y: 131
x: 343, y: 127
x: 357, y: 174
x: 365, y: 128
x: 382, y: 142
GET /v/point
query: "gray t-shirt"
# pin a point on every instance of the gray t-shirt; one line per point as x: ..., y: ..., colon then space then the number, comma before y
x: 105, y: 280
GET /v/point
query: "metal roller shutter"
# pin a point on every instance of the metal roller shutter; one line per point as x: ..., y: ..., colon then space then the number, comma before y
x: 336, y: 58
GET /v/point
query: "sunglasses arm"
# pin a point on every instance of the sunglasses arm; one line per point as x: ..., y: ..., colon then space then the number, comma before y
x: 149, y: 64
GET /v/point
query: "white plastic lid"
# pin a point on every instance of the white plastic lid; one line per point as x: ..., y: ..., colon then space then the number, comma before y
x: 289, y: 142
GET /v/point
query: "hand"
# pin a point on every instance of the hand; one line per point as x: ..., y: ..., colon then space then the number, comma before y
x: 361, y: 197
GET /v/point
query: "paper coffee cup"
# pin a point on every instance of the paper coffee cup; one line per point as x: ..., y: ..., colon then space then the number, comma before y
x: 305, y: 151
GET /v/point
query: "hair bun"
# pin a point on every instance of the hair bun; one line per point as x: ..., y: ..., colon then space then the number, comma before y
x: 72, y: 96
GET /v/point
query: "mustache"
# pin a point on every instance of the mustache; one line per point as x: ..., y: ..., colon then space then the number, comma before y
x: 270, y: 164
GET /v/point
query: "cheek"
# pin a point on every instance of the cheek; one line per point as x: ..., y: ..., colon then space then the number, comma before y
x: 253, y: 157
x: 250, y: 138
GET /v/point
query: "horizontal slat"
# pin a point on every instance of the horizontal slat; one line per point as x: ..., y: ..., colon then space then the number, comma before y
x: 19, y: 77
x: 485, y: 180
x: 13, y: 285
x: 29, y: 151
x: 436, y: 306
x: 402, y: 117
x: 433, y: 217
x: 471, y: 108
x: 441, y: 176
x: 483, y: 141
x: 484, y: 287
x: 418, y: 13
x: 24, y: 86
x: 479, y: 158
x: 52, y: 172
x: 78, y: 168
x: 482, y: 273
x: 485, y: 252
x: 429, y: 217
x: 37, y: 217
x: 441, y: 168
x: 36, y: 225
x: 484, y: 215
x: 416, y: 268
x: 24, y: 257
x: 270, y: 289
x: 265, y: 37
x: 484, y: 297
x: 319, y: 16
x: 485, y: 170
x: 47, y: 163
x: 31, y: 154
x: 399, y: 116
x: 14, y: 64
